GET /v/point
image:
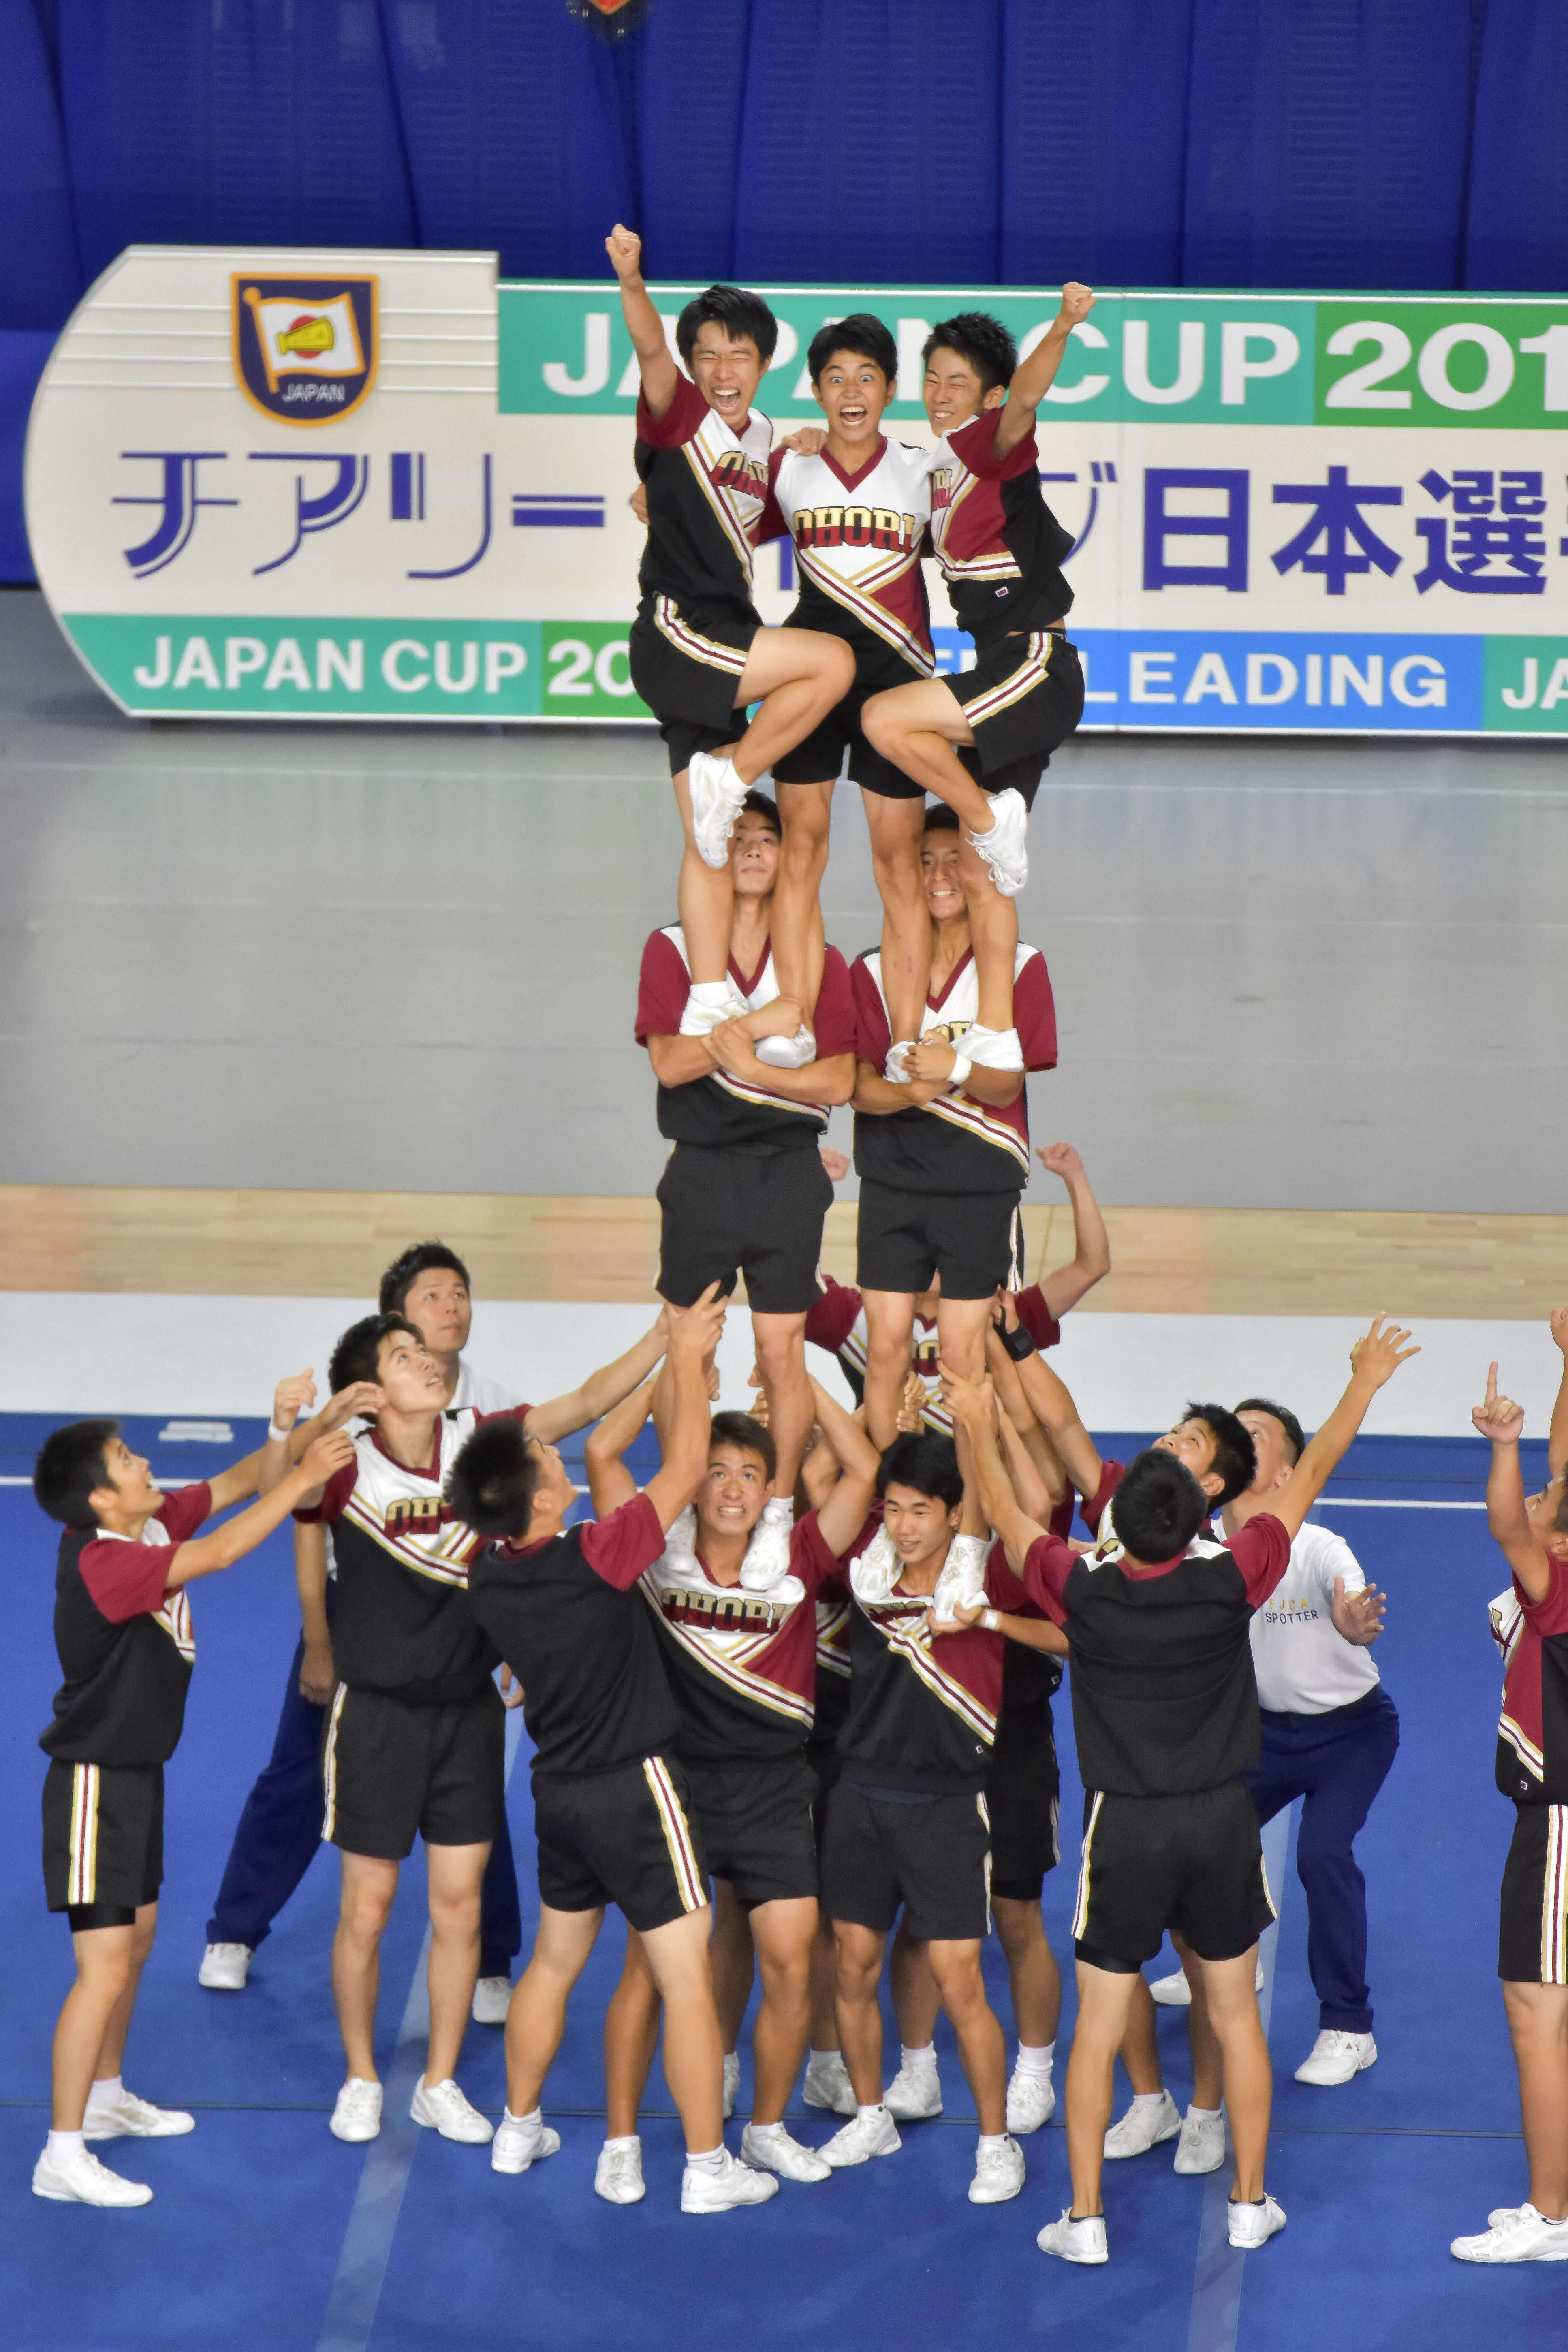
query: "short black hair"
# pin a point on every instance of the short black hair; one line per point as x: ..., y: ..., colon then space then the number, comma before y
x: 940, y: 818
x: 861, y: 333
x: 734, y: 307
x: 70, y: 1464
x: 493, y: 1479
x: 762, y: 804
x: 740, y: 1429
x: 357, y: 1356
x: 1235, y: 1455
x: 1285, y: 1417
x: 925, y: 1460
x: 1158, y: 1508
x: 417, y: 1259
x: 981, y: 340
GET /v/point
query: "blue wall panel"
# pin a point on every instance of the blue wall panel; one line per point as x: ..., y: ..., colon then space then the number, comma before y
x: 39, y: 273
x: 1517, y: 230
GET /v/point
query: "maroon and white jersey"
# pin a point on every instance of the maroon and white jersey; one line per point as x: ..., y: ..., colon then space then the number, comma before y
x: 125, y: 1641
x: 706, y: 490
x: 857, y: 539
x: 1533, y: 1729
x: 743, y: 1664
x: 1000, y: 547
x: 923, y: 1706
x: 837, y: 1323
x: 403, y: 1623
x: 722, y: 1112
x: 954, y: 1144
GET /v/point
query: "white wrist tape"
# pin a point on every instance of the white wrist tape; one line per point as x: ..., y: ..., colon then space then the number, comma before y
x: 275, y: 1435
x: 962, y: 1065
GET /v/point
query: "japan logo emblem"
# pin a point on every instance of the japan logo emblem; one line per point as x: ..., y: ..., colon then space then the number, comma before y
x: 305, y: 347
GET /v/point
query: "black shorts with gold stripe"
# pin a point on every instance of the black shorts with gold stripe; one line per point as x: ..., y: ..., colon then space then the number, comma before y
x: 627, y: 1837
x: 1533, y: 1932
x: 754, y: 1817
x: 392, y: 1772
x: 103, y: 1841
x: 687, y: 665
x: 1192, y: 1862
x: 884, y: 1847
x: 1022, y: 699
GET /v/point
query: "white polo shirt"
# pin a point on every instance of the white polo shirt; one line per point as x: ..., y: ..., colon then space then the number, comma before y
x: 479, y: 1391
x: 1304, y: 1664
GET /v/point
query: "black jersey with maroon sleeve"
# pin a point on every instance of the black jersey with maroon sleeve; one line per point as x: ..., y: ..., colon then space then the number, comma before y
x: 723, y: 1112
x: 706, y: 489
x: 403, y: 1623
x: 1533, y: 1729
x: 125, y: 1642
x: 955, y: 1143
x: 1164, y: 1700
x: 564, y: 1617
x: 742, y: 1664
x: 1000, y: 547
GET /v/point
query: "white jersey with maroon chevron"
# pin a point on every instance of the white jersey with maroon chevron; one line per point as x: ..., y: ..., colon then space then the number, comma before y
x: 857, y: 539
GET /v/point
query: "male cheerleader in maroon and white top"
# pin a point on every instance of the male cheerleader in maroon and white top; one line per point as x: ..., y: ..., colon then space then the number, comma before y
x: 944, y: 1156
x: 740, y: 1636
x: 699, y: 653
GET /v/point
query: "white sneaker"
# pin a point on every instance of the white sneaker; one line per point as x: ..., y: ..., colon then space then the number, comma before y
x: 1201, y: 2147
x: 492, y: 1998
x: 516, y: 2144
x: 1075, y: 2242
x: 697, y: 1020
x: 442, y: 2107
x: 1517, y: 2234
x: 357, y: 2113
x: 767, y: 1554
x: 731, y: 2081
x: 1254, y: 2225
x: 78, y: 2179
x: 1337, y: 2057
x: 787, y: 1053
x: 617, y: 2175
x: 1143, y: 2127
x: 771, y: 2148
x: 1176, y: 1992
x: 735, y: 2183
x: 1005, y: 848
x: 129, y: 2117
x: 872, y: 2133
x: 992, y: 1049
x: 717, y: 793
x: 893, y: 1068
x: 914, y: 2095
x: 998, y: 2174
x: 224, y: 1968
x: 827, y: 2085
x: 1031, y: 2102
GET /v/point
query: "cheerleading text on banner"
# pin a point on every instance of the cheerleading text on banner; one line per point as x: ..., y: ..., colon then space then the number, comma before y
x: 383, y: 486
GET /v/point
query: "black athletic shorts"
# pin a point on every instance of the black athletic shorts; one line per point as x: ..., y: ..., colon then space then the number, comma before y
x: 1023, y: 697
x: 627, y: 1837
x: 1193, y: 1863
x: 1022, y: 1788
x: 687, y: 667
x: 973, y: 1240
x: 394, y: 1772
x: 819, y: 758
x: 932, y: 1855
x: 1532, y: 1935
x: 754, y: 1820
x: 103, y: 1841
x: 757, y: 1213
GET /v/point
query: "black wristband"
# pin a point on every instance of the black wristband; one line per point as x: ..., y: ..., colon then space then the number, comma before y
x: 1019, y: 1344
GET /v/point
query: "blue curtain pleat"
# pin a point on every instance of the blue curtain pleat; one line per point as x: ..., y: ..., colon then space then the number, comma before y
x: 1517, y: 234
x: 1326, y: 143
x: 689, y: 64
x: 40, y: 275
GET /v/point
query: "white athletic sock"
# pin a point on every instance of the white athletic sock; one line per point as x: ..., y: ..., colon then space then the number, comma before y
x: 710, y: 2160
x: 1204, y: 2115
x: 1147, y: 2098
x: 104, y: 2093
x: 1035, y: 2059
x: 918, y: 2062
x: 821, y: 2057
x: 60, y: 2144
x: 878, y: 2109
x: 613, y: 2146
x: 713, y: 994
x: 536, y: 2118
x: 992, y: 2139
x: 764, y: 2131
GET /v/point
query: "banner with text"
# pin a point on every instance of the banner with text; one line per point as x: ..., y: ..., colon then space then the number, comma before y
x: 302, y: 484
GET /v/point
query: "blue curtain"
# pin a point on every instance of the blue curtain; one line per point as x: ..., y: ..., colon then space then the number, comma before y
x: 1517, y: 228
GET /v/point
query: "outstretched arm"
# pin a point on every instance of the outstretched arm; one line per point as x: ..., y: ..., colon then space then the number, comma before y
x: 1034, y: 376
x: 205, y: 1554
x: 1501, y: 1420
x: 1091, y: 1256
x: 972, y: 1404
x: 1050, y: 1402
x: 681, y: 1406
x: 1032, y: 1633
x: 658, y: 371
x: 610, y: 1483
x: 1374, y: 1360
x: 843, y: 1514
x: 600, y: 1391
x: 1557, y: 1435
